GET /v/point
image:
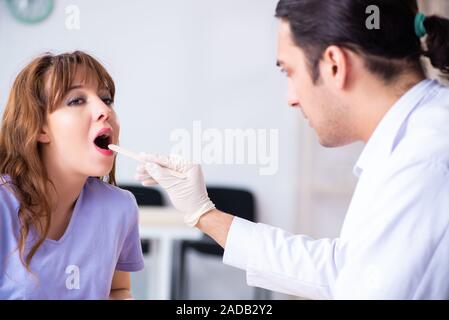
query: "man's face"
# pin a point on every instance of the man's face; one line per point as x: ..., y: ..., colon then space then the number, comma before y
x: 317, y: 101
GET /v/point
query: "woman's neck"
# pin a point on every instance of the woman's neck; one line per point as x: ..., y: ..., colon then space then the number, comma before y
x: 64, y: 190
x: 66, y: 184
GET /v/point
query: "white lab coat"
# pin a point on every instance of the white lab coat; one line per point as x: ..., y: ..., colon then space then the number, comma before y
x: 394, y: 243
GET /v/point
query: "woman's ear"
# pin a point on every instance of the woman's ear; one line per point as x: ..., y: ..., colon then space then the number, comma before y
x: 44, y: 137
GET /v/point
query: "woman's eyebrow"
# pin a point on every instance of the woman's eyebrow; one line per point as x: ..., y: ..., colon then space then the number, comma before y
x: 80, y: 86
x: 76, y: 87
x: 103, y: 90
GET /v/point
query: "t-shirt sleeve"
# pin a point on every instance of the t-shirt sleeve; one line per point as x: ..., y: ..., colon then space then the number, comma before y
x: 131, y: 257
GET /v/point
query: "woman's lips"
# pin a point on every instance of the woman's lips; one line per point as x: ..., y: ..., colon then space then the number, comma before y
x: 102, y: 146
x: 105, y: 152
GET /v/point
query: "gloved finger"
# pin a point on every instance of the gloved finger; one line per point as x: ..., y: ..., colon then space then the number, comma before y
x: 141, y: 169
x: 156, y: 158
x: 173, y: 162
x: 142, y: 176
x: 153, y: 170
x: 157, y: 172
x: 149, y: 182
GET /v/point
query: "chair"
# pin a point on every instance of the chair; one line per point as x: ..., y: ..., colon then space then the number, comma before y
x: 238, y: 202
x: 145, y: 197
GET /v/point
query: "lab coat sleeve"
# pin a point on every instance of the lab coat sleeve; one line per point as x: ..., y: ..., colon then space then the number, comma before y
x: 282, y: 262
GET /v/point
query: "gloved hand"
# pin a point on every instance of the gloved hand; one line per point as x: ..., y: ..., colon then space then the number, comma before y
x: 188, y: 194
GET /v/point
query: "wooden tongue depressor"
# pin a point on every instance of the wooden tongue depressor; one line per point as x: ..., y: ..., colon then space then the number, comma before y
x: 135, y: 156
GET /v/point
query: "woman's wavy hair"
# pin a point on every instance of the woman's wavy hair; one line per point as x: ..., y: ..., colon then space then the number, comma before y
x: 37, y: 91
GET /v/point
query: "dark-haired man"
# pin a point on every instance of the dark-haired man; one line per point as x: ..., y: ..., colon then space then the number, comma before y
x: 352, y: 84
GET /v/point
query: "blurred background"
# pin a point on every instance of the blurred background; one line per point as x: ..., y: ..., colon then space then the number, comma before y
x: 182, y: 61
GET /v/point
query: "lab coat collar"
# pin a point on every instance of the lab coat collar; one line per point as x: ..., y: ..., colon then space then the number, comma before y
x: 387, y: 134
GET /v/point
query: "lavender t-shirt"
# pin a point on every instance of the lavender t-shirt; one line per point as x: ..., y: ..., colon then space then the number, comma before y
x: 102, y: 237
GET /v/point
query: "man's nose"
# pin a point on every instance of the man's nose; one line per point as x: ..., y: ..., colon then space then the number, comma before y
x: 292, y: 98
x: 293, y: 102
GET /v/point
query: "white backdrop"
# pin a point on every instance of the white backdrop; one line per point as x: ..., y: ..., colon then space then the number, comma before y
x: 179, y: 61
x: 175, y: 62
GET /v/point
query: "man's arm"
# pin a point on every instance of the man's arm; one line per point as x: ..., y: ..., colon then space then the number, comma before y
x: 273, y: 259
x: 216, y: 224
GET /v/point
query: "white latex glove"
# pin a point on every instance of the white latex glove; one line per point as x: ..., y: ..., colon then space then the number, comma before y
x: 188, y: 195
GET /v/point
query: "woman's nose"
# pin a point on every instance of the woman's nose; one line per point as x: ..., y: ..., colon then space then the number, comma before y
x: 102, y: 111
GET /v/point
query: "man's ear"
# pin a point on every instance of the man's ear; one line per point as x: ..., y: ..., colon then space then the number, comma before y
x: 44, y: 137
x: 336, y: 66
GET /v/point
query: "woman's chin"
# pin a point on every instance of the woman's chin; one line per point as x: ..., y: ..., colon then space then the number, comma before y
x: 100, y: 171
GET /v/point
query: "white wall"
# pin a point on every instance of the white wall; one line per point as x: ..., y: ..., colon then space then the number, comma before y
x: 178, y: 61
x: 175, y: 62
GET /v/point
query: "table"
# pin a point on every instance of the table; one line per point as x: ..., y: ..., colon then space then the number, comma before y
x: 162, y: 226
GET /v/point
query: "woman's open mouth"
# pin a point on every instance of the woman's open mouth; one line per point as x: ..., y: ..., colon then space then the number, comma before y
x: 102, y: 140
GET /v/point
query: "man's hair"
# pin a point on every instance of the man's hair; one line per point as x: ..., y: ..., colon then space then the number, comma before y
x: 387, y: 51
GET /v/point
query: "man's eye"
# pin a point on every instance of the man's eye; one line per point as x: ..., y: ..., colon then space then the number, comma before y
x: 108, y: 101
x: 76, y: 102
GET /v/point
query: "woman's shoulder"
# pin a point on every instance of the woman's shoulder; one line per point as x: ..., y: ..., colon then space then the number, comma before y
x: 110, y: 195
x: 8, y: 201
